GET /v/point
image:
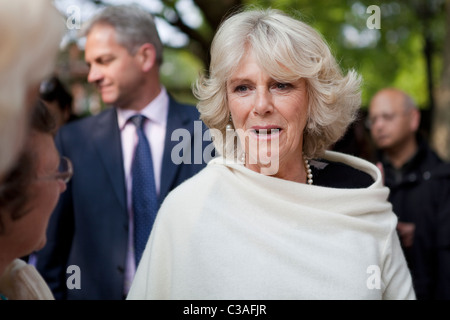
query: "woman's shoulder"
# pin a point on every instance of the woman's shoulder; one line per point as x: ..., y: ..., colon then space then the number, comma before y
x: 339, y: 172
x: 21, y: 281
x: 187, y: 199
x: 196, y: 184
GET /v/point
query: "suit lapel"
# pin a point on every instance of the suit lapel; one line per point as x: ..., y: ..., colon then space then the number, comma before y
x: 106, y: 138
x: 176, y: 119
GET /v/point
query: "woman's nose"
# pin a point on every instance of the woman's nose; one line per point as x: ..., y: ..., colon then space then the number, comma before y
x: 263, y: 102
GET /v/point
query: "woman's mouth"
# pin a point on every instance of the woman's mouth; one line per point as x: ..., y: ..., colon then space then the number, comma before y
x: 265, y: 133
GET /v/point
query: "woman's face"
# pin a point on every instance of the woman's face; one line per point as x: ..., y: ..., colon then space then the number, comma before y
x: 269, y: 116
x: 44, y: 192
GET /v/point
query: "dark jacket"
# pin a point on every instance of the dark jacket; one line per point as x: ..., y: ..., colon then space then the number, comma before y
x: 404, y: 181
x: 432, y: 236
x: 338, y: 175
x: 412, y: 199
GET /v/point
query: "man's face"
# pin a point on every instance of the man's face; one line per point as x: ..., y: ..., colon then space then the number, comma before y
x: 114, y: 71
x: 390, y: 123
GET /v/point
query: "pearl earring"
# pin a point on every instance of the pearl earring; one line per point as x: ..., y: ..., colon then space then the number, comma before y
x: 229, y: 126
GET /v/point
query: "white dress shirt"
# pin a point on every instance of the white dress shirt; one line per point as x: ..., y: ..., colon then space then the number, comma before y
x: 155, y: 129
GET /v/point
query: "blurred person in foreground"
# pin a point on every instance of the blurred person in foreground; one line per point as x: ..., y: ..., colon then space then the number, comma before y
x: 407, y: 161
x: 276, y: 216
x: 58, y: 101
x: 28, y: 196
x: 94, y: 225
x: 30, y: 32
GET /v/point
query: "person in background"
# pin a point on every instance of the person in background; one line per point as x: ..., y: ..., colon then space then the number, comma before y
x: 406, y: 159
x: 58, y: 100
x: 30, y: 33
x: 432, y: 235
x: 28, y: 196
x: 126, y: 159
x: 277, y: 215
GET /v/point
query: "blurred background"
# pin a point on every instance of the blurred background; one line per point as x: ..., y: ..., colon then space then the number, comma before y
x: 402, y: 44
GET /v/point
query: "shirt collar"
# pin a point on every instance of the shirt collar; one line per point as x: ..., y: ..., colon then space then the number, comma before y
x: 156, y: 110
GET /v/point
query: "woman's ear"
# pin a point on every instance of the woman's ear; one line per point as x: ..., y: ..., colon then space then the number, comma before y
x: 146, y: 56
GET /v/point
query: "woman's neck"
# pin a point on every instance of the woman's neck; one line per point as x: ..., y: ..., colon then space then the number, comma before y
x: 294, y: 171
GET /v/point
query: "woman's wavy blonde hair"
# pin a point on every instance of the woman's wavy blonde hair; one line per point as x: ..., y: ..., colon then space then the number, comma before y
x: 31, y: 32
x: 288, y: 49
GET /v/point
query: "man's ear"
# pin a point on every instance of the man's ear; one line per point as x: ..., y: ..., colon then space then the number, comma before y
x: 415, y: 119
x: 146, y: 56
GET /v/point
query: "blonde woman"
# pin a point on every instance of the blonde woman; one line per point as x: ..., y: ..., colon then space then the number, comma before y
x: 276, y: 216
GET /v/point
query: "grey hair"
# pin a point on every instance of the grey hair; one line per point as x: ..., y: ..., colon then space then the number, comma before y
x: 409, y: 102
x: 276, y: 40
x: 31, y: 32
x: 133, y: 25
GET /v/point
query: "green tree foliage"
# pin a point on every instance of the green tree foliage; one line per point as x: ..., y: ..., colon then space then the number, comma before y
x: 393, y: 55
x: 390, y: 56
x: 406, y: 52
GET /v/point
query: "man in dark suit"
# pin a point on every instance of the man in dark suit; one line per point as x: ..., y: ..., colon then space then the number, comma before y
x: 89, y: 253
x: 408, y: 163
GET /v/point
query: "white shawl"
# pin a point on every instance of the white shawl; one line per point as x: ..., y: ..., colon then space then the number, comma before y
x: 232, y: 233
x: 21, y: 281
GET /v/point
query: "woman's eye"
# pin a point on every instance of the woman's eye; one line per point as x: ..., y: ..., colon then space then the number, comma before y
x: 240, y: 88
x: 282, y: 86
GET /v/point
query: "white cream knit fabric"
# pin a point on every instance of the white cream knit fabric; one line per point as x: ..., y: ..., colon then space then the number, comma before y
x: 231, y: 233
x: 21, y: 281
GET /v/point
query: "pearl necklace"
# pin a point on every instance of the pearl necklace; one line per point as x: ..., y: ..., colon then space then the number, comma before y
x: 309, y: 174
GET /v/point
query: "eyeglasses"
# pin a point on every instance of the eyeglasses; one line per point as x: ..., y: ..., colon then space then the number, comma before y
x: 65, y: 171
x: 386, y: 117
